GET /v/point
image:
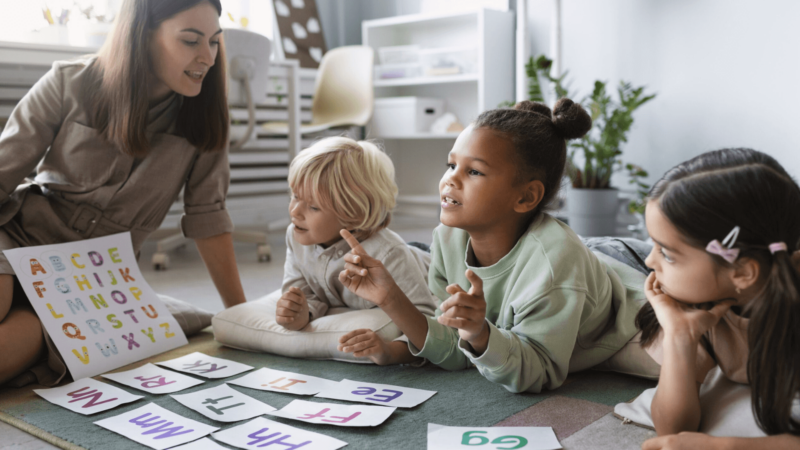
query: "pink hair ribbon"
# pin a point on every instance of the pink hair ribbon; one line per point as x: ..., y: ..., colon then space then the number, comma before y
x: 725, y: 249
x: 777, y: 247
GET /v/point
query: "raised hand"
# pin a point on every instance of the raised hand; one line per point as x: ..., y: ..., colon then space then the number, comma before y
x: 365, y: 343
x: 292, y: 309
x: 680, y: 320
x: 364, y: 275
x: 466, y: 311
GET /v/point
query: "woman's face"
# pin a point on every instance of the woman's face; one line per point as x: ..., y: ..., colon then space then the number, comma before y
x: 182, y: 50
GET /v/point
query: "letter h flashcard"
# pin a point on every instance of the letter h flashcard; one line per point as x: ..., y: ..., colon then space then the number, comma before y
x: 261, y: 433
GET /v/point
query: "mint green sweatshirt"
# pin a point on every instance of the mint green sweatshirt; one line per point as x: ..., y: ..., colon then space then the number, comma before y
x: 552, y: 307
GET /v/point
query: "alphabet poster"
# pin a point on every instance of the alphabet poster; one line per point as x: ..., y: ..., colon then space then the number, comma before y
x: 334, y: 413
x: 288, y: 382
x: 379, y: 394
x: 224, y: 404
x: 264, y: 433
x: 94, y: 303
x: 441, y: 437
x: 156, y: 427
x: 87, y: 396
x: 153, y: 379
x: 206, y: 366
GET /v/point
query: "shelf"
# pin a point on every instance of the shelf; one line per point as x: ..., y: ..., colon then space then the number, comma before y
x: 419, y: 81
x: 420, y: 136
x: 415, y: 19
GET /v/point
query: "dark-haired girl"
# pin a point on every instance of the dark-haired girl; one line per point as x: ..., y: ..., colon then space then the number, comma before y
x: 724, y: 292
x: 113, y: 139
x: 519, y: 295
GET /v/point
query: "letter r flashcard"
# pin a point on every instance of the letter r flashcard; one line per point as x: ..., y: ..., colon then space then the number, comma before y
x: 153, y: 379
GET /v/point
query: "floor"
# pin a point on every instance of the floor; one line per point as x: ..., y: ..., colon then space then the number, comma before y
x: 186, y: 279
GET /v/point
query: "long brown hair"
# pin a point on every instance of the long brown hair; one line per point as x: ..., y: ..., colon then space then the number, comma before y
x: 706, y: 197
x: 118, y: 93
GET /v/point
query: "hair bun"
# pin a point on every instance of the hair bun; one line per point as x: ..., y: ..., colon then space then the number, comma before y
x: 541, y: 108
x: 570, y: 119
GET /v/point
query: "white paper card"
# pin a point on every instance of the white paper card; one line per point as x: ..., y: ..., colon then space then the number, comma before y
x: 95, y: 304
x: 206, y: 366
x: 265, y: 433
x: 441, y: 437
x: 202, y: 444
x: 379, y: 394
x: 335, y: 414
x: 156, y: 427
x: 288, y: 382
x: 223, y: 404
x: 87, y: 396
x: 153, y: 379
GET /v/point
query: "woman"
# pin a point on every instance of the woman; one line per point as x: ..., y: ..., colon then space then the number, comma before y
x: 113, y: 139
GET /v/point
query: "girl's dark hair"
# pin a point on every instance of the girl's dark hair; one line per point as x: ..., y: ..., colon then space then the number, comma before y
x: 117, y: 94
x: 539, y: 139
x: 705, y: 198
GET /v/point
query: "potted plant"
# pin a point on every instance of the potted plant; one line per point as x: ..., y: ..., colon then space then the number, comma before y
x: 592, y: 203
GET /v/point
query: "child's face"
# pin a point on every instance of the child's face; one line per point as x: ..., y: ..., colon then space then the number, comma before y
x: 477, y: 190
x: 685, y: 273
x: 312, y: 224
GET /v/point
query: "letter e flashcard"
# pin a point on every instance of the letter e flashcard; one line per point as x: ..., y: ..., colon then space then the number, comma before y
x: 206, y: 366
x: 156, y: 427
x: 379, y: 394
x: 264, y: 433
x: 224, y: 404
x: 442, y: 437
x: 87, y: 396
x: 153, y: 379
x: 278, y: 381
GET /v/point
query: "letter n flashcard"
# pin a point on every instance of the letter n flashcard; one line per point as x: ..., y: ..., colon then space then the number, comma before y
x: 224, y: 404
x: 87, y: 396
x: 264, y: 433
x: 156, y: 427
x: 287, y: 382
x: 206, y: 366
x: 379, y: 394
x: 442, y: 437
x: 153, y: 379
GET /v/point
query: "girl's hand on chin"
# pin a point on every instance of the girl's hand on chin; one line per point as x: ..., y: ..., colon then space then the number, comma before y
x: 679, y: 320
x: 364, y: 275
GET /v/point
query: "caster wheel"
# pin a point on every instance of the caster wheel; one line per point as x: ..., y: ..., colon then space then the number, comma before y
x: 160, y: 261
x: 264, y: 253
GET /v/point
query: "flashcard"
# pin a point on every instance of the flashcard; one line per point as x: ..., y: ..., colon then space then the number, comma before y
x: 261, y: 433
x: 156, y: 427
x: 206, y: 366
x: 442, y: 437
x: 379, y: 394
x: 202, y: 444
x: 223, y: 404
x: 94, y: 303
x: 153, y: 379
x: 334, y: 413
x: 288, y: 382
x: 87, y: 396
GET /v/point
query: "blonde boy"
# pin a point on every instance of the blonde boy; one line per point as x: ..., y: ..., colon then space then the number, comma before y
x: 336, y: 184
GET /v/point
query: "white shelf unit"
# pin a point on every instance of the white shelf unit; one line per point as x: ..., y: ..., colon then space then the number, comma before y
x: 420, y: 158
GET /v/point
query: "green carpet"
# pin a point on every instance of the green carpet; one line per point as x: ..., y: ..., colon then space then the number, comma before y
x: 463, y: 398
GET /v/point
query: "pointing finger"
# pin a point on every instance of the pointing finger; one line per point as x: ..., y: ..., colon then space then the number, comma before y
x: 353, y: 242
x: 477, y: 283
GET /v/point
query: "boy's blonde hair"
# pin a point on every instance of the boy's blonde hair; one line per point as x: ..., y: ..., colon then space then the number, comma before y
x: 354, y: 179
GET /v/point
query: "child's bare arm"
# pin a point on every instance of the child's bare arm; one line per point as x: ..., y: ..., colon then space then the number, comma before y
x: 690, y: 441
x: 367, y: 343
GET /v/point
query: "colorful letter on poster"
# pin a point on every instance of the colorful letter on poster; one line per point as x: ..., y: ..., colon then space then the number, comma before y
x: 334, y: 413
x: 224, y: 404
x: 87, y: 396
x: 206, y: 366
x: 156, y: 427
x: 153, y: 379
x: 379, y: 394
x: 94, y: 303
x: 278, y: 381
x: 441, y: 437
x: 263, y: 433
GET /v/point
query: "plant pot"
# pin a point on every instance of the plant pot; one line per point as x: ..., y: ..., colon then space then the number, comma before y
x: 593, y: 212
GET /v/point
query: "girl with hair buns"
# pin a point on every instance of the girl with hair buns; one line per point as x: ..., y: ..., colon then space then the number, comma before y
x: 724, y: 292
x: 519, y: 295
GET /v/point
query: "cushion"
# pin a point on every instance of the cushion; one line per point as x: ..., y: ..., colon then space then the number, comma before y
x: 251, y: 326
x: 191, y: 318
x: 725, y: 408
x: 632, y: 359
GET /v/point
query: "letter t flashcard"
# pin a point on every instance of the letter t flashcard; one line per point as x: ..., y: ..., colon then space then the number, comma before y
x: 224, y: 404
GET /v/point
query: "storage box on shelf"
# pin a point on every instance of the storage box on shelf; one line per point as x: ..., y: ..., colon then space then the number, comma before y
x: 465, y: 59
x: 404, y: 116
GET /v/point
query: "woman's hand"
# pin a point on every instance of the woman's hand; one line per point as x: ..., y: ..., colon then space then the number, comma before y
x: 681, y: 441
x: 292, y: 309
x: 466, y: 311
x: 364, y: 275
x: 366, y: 343
x: 679, y: 320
